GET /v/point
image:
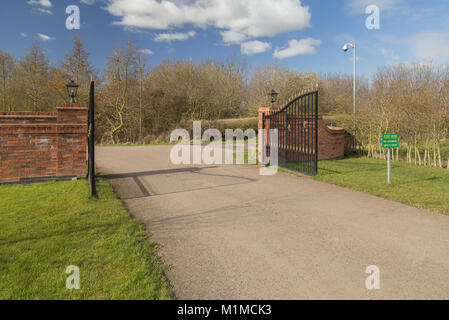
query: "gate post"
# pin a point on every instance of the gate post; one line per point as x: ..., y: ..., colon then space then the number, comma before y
x: 91, y: 141
x: 316, y: 133
x: 262, y: 140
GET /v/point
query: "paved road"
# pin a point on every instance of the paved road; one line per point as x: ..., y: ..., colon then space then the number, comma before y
x: 229, y: 233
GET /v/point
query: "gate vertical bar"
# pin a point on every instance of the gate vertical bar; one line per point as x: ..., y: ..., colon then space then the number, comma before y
x: 281, y: 125
x: 262, y: 144
x: 91, y: 139
x: 287, y: 134
x: 308, y: 134
x: 316, y: 133
x: 312, y: 124
x: 311, y: 133
x: 289, y: 131
x: 269, y: 127
x: 302, y: 135
x: 310, y: 144
x: 295, y: 134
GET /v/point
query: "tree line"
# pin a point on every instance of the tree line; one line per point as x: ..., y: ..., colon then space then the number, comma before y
x: 139, y: 103
x: 413, y: 101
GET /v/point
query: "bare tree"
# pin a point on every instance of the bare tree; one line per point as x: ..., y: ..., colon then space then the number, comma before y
x: 7, y: 65
x: 33, y: 75
x: 76, y: 66
x: 120, y: 75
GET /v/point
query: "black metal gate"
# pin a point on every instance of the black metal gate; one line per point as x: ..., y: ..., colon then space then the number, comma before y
x: 297, y: 125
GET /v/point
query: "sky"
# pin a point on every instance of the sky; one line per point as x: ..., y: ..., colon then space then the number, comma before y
x: 307, y: 35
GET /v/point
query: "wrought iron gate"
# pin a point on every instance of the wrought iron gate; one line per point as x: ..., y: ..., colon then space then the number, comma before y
x: 297, y: 125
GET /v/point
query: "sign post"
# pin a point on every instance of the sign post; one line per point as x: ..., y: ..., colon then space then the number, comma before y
x: 390, y: 141
x: 389, y: 166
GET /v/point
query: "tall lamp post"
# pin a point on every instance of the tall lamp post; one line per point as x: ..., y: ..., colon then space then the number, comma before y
x: 273, y: 94
x: 72, y: 89
x: 345, y: 49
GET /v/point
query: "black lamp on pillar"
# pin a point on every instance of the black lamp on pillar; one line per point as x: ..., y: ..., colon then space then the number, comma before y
x: 273, y: 94
x: 72, y: 90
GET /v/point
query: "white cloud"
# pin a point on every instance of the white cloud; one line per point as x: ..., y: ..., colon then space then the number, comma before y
x: 430, y: 46
x: 88, y: 2
x: 43, y: 6
x: 44, y: 11
x: 177, y: 36
x: 254, y: 47
x: 297, y: 47
x: 44, y: 37
x: 43, y: 3
x: 389, y: 54
x: 231, y: 36
x: 236, y: 20
x: 359, y: 6
x: 23, y: 35
x: 146, y: 51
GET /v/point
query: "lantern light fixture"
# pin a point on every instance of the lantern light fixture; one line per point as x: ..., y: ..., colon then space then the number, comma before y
x: 273, y: 94
x: 72, y: 90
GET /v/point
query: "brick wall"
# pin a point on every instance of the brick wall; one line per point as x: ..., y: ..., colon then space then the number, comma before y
x: 37, y: 146
x: 331, y: 140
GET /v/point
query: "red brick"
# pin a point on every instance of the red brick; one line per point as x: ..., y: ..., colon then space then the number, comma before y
x: 43, y: 143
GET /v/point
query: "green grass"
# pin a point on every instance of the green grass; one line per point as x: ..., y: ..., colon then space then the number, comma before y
x: 245, y: 157
x: 47, y: 227
x: 421, y: 187
x: 162, y: 143
x: 171, y: 143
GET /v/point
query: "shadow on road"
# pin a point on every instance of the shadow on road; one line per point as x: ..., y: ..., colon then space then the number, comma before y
x: 196, y: 170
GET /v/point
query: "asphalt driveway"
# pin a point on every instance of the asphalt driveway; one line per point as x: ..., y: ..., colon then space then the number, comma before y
x: 229, y: 233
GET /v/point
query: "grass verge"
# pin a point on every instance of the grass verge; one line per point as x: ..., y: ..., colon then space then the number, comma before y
x: 163, y: 143
x: 204, y: 143
x: 47, y: 227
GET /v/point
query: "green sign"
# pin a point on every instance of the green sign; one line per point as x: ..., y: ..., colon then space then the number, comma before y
x: 390, y: 141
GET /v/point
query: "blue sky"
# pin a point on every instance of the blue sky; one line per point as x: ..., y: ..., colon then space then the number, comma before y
x: 306, y: 35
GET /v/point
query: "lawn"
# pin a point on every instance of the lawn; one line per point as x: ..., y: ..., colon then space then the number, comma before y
x: 422, y: 187
x: 47, y: 227
x: 164, y: 143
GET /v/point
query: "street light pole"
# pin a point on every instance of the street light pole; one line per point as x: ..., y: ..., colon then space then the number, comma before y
x: 355, y: 85
x: 354, y: 49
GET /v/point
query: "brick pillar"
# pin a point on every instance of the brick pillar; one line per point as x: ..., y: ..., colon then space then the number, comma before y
x: 262, y: 111
x: 72, y: 143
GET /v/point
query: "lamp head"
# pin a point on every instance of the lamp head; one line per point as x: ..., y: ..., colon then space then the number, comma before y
x: 273, y: 94
x: 72, y: 89
x: 348, y: 45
